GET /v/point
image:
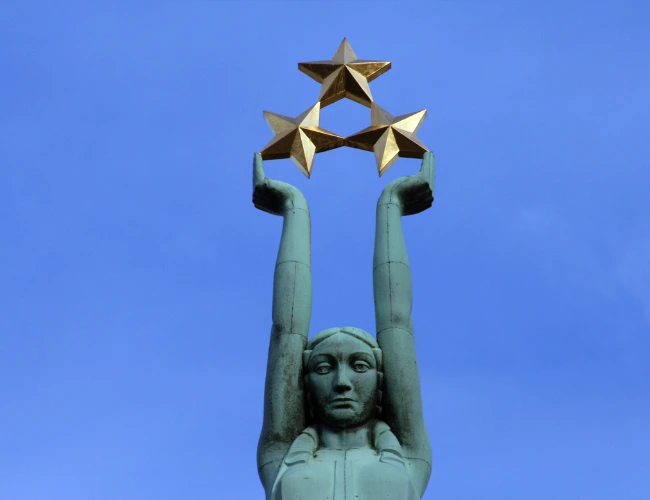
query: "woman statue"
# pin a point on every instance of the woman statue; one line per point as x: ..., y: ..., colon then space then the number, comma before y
x: 343, y: 412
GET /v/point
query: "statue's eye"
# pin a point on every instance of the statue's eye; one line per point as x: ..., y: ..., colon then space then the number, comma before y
x: 323, y: 369
x: 360, y: 367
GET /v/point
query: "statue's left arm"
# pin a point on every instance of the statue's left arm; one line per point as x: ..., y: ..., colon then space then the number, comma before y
x: 393, y: 302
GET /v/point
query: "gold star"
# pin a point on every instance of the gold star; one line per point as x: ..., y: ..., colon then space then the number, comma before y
x: 390, y: 137
x: 345, y: 76
x: 299, y: 138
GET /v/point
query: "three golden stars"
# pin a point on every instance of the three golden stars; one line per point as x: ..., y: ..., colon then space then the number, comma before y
x: 343, y: 76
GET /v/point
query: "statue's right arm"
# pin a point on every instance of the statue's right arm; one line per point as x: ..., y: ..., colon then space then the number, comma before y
x: 284, y: 415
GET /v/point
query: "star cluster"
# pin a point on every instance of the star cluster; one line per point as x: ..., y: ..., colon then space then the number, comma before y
x: 345, y: 75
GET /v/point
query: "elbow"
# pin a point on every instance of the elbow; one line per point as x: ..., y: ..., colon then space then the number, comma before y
x: 300, y: 328
x: 399, y: 319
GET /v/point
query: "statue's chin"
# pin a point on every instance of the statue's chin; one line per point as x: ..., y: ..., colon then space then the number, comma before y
x: 344, y: 418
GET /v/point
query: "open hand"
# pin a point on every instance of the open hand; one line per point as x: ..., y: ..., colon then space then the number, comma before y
x: 413, y: 193
x: 274, y: 197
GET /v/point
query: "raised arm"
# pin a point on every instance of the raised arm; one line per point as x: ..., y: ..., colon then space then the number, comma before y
x: 393, y: 301
x: 284, y: 417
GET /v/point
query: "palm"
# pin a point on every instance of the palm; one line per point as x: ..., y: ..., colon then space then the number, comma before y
x: 414, y: 193
x: 270, y: 195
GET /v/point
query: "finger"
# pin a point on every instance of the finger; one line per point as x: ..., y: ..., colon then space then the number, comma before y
x: 418, y: 206
x: 424, y: 192
x: 417, y: 197
x: 258, y: 170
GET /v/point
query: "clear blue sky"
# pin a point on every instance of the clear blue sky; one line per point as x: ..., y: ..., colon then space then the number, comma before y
x: 136, y: 274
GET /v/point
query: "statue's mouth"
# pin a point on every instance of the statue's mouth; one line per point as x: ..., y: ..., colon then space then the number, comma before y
x: 342, y: 402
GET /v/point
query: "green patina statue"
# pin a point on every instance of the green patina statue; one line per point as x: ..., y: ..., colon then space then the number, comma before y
x: 343, y: 411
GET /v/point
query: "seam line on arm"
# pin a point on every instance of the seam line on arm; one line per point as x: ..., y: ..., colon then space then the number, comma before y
x: 395, y: 328
x: 391, y: 262
x: 259, y: 468
x: 421, y: 459
x: 306, y: 210
x: 277, y: 264
x: 278, y: 335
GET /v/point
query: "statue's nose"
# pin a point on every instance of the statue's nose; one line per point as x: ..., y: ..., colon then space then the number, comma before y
x: 342, y: 382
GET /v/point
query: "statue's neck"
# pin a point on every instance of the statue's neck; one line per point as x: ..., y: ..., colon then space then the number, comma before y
x: 337, y: 439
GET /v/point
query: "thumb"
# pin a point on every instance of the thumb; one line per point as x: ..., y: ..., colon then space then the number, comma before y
x: 258, y: 170
x: 428, y: 168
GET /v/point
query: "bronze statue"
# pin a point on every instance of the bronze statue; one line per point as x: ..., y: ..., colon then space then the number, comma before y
x: 343, y: 411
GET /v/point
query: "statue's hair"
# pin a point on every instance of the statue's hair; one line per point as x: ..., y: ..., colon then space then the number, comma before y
x: 350, y: 330
x: 357, y: 333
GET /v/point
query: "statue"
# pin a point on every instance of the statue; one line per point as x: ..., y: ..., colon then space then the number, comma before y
x: 343, y: 411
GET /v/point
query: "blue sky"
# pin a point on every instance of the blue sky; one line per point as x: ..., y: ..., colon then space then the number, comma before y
x: 136, y: 274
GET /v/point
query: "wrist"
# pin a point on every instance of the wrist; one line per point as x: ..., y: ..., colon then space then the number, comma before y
x: 389, y: 197
x: 295, y: 201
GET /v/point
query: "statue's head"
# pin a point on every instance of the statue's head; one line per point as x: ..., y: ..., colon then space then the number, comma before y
x: 343, y: 377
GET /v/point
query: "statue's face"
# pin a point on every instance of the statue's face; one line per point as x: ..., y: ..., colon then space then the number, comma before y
x: 342, y: 382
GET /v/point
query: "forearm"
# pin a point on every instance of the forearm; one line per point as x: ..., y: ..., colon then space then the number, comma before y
x: 284, y: 415
x: 391, y: 270
x: 292, y: 286
x: 393, y: 303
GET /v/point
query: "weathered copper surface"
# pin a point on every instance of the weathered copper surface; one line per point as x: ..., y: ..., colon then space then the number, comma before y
x: 343, y: 409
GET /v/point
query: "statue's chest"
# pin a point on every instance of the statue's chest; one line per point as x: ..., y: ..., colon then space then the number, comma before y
x: 346, y: 475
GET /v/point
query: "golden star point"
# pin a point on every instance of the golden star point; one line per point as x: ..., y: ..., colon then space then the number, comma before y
x: 299, y: 138
x: 344, y: 54
x: 345, y: 75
